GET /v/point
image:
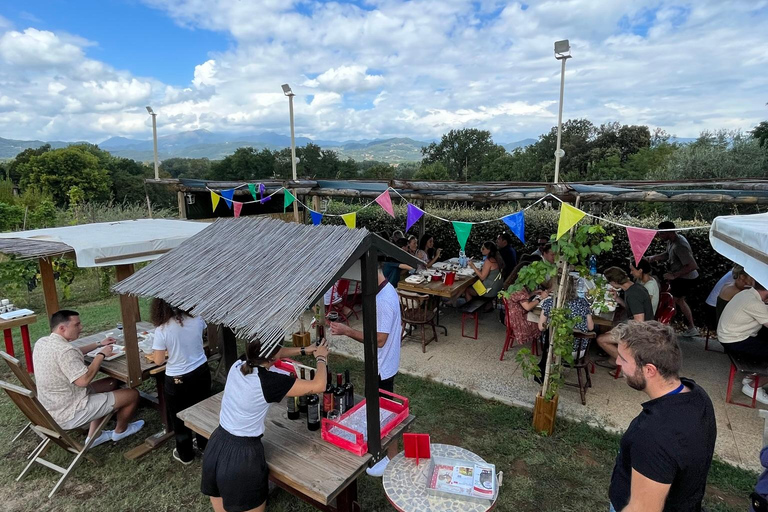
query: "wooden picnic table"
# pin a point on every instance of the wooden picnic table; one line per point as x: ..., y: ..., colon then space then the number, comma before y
x: 118, y: 368
x: 439, y: 289
x: 299, y: 460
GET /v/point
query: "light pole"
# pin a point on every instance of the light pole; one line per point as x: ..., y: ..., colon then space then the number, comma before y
x: 288, y: 92
x: 562, y: 53
x: 154, y: 139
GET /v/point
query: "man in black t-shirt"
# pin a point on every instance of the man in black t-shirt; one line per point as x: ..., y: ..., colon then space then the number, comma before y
x: 636, y: 303
x: 507, y: 252
x: 665, y: 454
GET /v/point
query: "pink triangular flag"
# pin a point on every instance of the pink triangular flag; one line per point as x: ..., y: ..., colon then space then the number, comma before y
x: 237, y: 206
x: 386, y: 202
x: 639, y: 240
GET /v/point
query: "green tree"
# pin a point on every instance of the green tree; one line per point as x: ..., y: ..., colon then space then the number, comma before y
x: 127, y: 178
x: 55, y: 172
x: 760, y: 132
x: 13, y: 169
x: 193, y: 168
x: 520, y: 165
x: 245, y: 164
x: 463, y: 153
x: 435, y: 171
x: 380, y: 172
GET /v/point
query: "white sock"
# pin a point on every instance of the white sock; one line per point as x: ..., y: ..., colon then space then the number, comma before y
x: 131, y: 429
x: 105, y: 436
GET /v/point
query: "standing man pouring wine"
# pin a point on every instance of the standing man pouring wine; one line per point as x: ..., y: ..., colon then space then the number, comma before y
x: 388, y: 337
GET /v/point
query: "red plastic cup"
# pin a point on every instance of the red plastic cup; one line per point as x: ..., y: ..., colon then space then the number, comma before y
x: 449, y: 278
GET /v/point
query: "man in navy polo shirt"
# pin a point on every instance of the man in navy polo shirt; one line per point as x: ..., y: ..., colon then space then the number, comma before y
x: 666, y: 452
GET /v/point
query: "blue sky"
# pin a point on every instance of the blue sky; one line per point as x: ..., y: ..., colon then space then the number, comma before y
x: 85, y: 70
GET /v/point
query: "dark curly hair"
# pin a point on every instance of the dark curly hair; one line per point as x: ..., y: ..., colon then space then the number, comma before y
x: 160, y: 312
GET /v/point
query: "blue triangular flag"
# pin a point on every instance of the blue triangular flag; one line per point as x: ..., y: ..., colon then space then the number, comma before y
x: 317, y: 217
x: 228, y: 195
x: 516, y: 223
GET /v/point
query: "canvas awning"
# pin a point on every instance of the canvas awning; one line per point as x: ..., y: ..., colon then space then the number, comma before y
x: 744, y: 240
x: 102, y: 244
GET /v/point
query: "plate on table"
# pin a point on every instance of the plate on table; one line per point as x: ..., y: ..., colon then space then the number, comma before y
x: 441, y: 265
x: 117, y: 351
x: 465, y: 272
x: 414, y: 279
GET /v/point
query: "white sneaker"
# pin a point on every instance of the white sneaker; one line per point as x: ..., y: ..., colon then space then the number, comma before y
x: 105, y: 436
x: 378, y: 468
x: 178, y: 458
x: 749, y: 380
x: 693, y: 331
x: 761, y: 397
x: 131, y: 429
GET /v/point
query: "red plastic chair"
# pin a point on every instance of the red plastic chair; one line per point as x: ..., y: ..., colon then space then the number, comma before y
x: 352, y: 298
x: 666, y: 310
x: 339, y: 294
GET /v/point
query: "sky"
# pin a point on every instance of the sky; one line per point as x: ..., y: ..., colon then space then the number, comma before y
x: 365, y: 69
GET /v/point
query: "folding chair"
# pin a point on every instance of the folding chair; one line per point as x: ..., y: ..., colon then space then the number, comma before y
x: 25, y: 380
x: 50, y: 431
x: 339, y: 294
x: 352, y: 298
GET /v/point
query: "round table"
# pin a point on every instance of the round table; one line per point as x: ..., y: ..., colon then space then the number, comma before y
x: 405, y: 483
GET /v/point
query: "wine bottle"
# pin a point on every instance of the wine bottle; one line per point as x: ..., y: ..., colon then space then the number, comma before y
x: 313, y: 408
x: 339, y: 396
x: 303, y: 398
x: 328, y: 395
x: 349, y: 392
x: 293, y: 408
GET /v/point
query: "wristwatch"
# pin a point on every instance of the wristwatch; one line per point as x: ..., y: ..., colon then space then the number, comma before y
x: 303, y: 352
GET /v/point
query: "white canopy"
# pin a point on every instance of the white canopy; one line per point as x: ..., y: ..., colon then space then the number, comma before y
x: 117, y: 243
x: 744, y: 240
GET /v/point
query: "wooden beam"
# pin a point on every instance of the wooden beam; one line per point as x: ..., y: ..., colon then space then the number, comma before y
x: 129, y: 307
x: 123, y: 272
x: 49, y: 287
x: 108, y: 259
x: 230, y: 348
x: 182, y: 205
x: 370, y: 276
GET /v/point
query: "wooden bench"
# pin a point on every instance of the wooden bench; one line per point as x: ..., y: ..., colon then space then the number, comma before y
x: 747, y: 364
x: 470, y: 310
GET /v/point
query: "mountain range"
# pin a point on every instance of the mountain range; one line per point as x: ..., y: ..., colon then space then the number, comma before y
x: 215, y: 146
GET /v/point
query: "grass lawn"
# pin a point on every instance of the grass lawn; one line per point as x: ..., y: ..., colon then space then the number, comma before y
x: 568, y: 471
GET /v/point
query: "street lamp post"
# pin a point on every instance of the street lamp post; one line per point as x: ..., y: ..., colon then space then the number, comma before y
x: 288, y: 92
x: 154, y: 139
x: 562, y: 53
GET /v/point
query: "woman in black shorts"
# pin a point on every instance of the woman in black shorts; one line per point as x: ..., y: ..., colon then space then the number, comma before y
x: 235, y: 473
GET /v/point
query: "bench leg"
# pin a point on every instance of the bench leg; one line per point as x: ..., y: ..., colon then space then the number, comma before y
x: 730, y: 384
x: 27, y: 347
x: 754, y: 392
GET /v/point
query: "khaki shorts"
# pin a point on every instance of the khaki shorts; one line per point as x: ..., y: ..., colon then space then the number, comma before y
x: 97, y: 406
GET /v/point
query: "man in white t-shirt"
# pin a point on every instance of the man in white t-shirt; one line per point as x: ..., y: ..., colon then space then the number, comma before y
x: 388, y: 336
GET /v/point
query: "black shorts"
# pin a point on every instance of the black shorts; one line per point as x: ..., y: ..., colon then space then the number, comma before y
x: 682, y: 287
x: 228, y: 463
x: 387, y: 384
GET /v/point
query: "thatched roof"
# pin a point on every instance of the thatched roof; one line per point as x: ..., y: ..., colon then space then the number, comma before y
x: 256, y: 275
x: 27, y: 249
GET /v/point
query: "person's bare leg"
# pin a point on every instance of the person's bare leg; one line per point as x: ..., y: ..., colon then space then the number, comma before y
x: 605, y: 341
x: 217, y: 504
x: 686, y: 309
x: 126, y: 401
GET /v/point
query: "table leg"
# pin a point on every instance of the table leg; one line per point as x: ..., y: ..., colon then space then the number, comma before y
x: 346, y: 501
x: 437, y: 319
x: 8, y: 335
x: 27, y: 347
x: 160, y: 384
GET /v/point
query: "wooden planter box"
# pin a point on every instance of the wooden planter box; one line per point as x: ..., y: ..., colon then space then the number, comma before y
x: 544, y: 413
x: 302, y: 340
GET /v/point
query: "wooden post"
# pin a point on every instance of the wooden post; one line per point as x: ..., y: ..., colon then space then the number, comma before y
x: 369, y: 273
x: 316, y: 201
x: 129, y: 306
x: 122, y: 272
x: 214, y: 343
x: 230, y: 348
x: 182, y: 205
x: 49, y: 287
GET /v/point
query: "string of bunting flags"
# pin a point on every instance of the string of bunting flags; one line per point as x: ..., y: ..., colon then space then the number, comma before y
x: 639, y: 238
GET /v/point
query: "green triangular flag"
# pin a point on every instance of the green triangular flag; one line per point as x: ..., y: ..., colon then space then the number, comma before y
x: 462, y: 232
x: 252, y: 188
x: 288, y: 199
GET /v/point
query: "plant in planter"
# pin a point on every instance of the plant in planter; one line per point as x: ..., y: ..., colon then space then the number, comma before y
x: 573, y: 255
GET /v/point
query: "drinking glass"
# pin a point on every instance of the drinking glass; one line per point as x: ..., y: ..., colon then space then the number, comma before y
x: 333, y: 415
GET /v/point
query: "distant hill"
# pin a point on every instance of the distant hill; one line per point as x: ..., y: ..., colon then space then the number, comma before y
x: 511, y: 146
x: 9, y: 148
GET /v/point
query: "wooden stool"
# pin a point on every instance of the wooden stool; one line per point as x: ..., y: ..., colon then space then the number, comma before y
x: 582, y: 364
x: 470, y: 310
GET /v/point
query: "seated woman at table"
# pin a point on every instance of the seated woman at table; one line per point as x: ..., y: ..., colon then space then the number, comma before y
x: 235, y: 473
x: 642, y: 275
x: 392, y: 269
x: 187, y: 376
x: 580, y: 309
x: 517, y: 306
x: 413, y: 245
x: 427, y: 252
x: 490, y: 274
x: 741, y: 281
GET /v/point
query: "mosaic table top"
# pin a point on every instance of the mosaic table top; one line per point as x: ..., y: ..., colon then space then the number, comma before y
x: 405, y: 483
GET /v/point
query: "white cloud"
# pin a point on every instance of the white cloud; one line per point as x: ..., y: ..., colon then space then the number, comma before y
x: 417, y: 68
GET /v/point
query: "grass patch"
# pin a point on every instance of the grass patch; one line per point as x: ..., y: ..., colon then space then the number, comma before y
x: 568, y: 471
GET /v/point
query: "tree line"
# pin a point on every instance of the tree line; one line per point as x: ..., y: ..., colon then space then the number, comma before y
x: 85, y: 173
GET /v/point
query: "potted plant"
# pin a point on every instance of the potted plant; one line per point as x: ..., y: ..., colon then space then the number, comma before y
x: 573, y: 254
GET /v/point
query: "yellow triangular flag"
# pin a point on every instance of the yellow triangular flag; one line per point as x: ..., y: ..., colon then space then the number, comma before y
x: 350, y: 219
x: 569, y: 216
x: 214, y: 199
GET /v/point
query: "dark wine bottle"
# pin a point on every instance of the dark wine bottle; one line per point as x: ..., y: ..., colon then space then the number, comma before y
x: 339, y: 396
x: 303, y: 398
x: 293, y: 408
x: 328, y: 395
x: 313, y: 408
x: 349, y: 392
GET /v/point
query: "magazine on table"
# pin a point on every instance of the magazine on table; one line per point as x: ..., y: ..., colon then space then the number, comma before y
x: 468, y: 479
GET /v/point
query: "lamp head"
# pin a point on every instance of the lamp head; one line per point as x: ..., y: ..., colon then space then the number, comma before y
x: 562, y: 49
x: 149, y: 109
x: 287, y: 90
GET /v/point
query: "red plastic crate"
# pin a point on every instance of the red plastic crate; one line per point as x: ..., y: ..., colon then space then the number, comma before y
x: 396, y: 404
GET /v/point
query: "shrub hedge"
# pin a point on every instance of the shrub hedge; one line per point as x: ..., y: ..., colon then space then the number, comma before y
x: 541, y: 221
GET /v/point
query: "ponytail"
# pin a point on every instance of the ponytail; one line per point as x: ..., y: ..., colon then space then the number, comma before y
x: 253, y: 357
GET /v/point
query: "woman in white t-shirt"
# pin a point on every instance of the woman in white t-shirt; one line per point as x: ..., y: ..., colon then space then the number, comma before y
x: 235, y: 473
x: 187, y: 376
x: 642, y: 275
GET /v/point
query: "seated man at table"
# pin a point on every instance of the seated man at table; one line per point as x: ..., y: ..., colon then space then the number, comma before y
x: 636, y: 303
x: 65, y: 387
